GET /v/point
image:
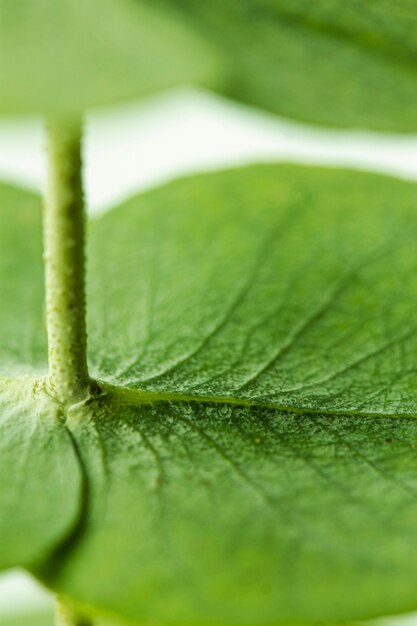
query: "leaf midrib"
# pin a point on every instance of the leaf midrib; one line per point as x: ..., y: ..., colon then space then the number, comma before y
x: 138, y: 397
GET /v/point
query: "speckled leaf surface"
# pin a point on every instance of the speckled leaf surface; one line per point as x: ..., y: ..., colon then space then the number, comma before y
x: 243, y: 515
x: 252, y: 458
x: 327, y: 61
x: 61, y: 57
x: 40, y: 476
x: 277, y: 284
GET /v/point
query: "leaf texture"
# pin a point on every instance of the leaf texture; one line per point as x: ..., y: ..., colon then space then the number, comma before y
x: 252, y: 456
x: 276, y: 284
x: 242, y: 515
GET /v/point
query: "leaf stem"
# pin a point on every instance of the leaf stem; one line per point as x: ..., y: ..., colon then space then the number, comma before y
x: 65, y: 615
x: 64, y: 239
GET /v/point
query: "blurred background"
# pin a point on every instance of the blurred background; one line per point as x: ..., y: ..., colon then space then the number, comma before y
x: 139, y: 145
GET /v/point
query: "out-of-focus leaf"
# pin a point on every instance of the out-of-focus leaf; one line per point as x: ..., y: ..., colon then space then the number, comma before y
x: 29, y: 619
x: 327, y: 61
x: 60, y: 56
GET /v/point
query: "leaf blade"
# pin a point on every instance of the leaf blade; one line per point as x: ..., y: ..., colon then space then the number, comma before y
x: 206, y: 492
x: 96, y: 53
x: 41, y: 480
x: 22, y: 325
x: 291, y: 260
x: 235, y: 515
x: 351, y: 65
x: 29, y: 619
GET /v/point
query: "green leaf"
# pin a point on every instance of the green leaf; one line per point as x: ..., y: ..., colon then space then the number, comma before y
x: 61, y: 56
x: 29, y: 619
x: 257, y: 460
x: 243, y: 515
x: 237, y: 284
x: 22, y: 326
x: 331, y: 62
x: 45, y: 618
x: 40, y: 476
x: 40, y: 496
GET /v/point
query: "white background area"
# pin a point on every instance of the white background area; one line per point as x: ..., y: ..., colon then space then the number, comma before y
x: 142, y: 144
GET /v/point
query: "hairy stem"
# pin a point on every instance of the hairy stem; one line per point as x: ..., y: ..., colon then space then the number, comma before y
x: 64, y: 225
x: 65, y: 615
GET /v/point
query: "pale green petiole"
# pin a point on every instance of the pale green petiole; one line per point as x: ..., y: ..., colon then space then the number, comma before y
x: 64, y: 241
x: 64, y: 237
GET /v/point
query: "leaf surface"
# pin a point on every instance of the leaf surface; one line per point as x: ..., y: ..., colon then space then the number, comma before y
x: 40, y: 475
x: 29, y: 619
x: 274, y: 283
x: 252, y: 458
x: 41, y: 481
x: 233, y: 514
x: 22, y: 324
x: 59, y: 57
x: 331, y: 62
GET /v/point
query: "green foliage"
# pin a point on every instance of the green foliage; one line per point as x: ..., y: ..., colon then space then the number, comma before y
x: 354, y: 65
x: 41, y: 485
x: 232, y: 513
x: 40, y: 495
x: 238, y: 284
x: 61, y: 57
x: 22, y: 332
x: 343, y: 64
x: 326, y: 61
x: 251, y: 458
x: 29, y: 619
